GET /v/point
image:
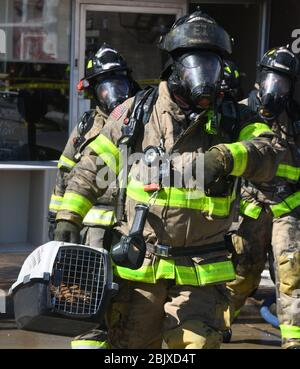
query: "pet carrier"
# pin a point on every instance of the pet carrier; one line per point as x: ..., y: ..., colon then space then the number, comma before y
x: 63, y: 289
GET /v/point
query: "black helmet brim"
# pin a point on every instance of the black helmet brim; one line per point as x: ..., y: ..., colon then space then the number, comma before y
x: 104, y: 72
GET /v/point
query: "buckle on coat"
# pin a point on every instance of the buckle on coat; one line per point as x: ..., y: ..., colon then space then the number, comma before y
x: 162, y: 250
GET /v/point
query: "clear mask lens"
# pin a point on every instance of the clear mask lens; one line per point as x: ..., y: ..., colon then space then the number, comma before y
x: 112, y: 92
x: 274, y: 84
x: 199, y: 68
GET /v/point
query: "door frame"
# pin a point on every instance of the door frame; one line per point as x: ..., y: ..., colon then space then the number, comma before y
x: 79, y: 9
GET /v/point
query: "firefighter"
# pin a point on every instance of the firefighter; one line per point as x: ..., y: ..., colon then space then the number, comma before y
x: 270, y: 213
x: 109, y: 80
x: 171, y: 261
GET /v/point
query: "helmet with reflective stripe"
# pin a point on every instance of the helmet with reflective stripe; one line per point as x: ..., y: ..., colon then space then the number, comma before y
x: 231, y: 83
x: 231, y: 74
x: 281, y: 59
x: 106, y: 60
x: 196, y: 31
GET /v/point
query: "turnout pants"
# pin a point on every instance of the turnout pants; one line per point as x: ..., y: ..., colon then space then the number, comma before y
x: 142, y: 315
x: 251, y: 243
x: 93, y: 236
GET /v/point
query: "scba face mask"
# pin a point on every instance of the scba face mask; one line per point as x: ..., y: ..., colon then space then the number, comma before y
x: 274, y: 93
x: 196, y: 79
x: 112, y: 91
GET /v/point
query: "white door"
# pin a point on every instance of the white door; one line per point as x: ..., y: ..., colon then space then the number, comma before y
x: 132, y: 27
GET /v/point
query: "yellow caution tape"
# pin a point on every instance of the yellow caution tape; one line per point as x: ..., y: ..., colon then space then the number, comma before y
x: 36, y: 86
x: 149, y: 81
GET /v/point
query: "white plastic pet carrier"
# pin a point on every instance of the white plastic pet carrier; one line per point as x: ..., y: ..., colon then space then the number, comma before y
x: 63, y: 289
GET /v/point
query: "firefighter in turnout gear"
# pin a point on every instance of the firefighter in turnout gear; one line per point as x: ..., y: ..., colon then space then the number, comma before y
x: 270, y: 213
x: 109, y: 79
x: 171, y: 262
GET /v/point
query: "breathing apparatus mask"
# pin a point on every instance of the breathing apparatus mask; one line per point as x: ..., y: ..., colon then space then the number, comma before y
x: 112, y: 91
x: 274, y: 93
x: 196, y: 80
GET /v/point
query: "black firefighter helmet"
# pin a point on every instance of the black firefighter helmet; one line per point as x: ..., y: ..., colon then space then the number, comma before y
x: 197, y: 46
x: 281, y: 59
x: 279, y: 69
x: 106, y: 60
x: 196, y: 31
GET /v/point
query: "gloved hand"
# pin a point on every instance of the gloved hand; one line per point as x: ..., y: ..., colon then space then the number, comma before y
x: 51, y: 231
x: 52, y: 225
x: 214, y: 166
x: 67, y: 232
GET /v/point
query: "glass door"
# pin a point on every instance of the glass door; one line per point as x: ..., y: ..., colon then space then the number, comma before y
x: 133, y: 31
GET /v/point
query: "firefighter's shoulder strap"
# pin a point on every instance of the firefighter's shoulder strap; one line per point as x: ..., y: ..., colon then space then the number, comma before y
x: 141, y: 112
x: 83, y: 127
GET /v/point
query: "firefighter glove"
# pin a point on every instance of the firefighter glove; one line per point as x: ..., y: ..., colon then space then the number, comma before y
x: 214, y: 166
x: 67, y: 232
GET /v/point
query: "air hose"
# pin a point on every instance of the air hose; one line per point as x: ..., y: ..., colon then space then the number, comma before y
x: 266, y: 313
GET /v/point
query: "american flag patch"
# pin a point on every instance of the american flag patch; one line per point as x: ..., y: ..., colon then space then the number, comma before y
x: 119, y: 111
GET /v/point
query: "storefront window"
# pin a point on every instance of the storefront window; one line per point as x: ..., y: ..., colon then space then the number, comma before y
x: 34, y: 78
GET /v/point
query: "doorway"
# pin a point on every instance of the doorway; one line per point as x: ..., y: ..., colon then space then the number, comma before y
x: 242, y: 22
x: 133, y: 30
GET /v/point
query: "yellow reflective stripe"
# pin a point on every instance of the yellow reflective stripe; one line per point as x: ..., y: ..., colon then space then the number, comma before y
x: 182, y: 198
x: 76, y: 203
x: 209, y: 127
x: 227, y: 68
x: 286, y: 206
x: 187, y: 275
x: 250, y: 209
x: 55, y: 202
x: 198, y: 275
x: 240, y: 158
x: 215, y: 272
x: 289, y: 331
x: 253, y: 130
x: 236, y: 74
x: 100, y: 217
x: 288, y: 171
x: 109, y: 153
x: 165, y: 269
x: 90, y: 64
x: 89, y: 344
x: 64, y: 162
x: 144, y: 274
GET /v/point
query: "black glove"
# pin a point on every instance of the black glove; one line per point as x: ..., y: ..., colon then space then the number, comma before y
x: 214, y: 166
x: 51, y: 231
x: 52, y: 225
x: 67, y: 232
